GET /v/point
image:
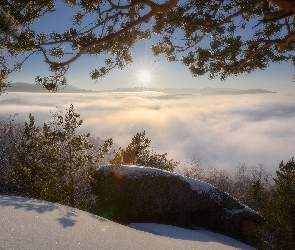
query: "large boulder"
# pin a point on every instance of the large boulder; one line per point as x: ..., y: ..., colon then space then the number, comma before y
x: 138, y: 194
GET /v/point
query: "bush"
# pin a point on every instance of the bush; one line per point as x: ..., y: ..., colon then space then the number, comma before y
x: 138, y: 153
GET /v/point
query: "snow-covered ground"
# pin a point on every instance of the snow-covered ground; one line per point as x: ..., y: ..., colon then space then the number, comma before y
x: 32, y: 224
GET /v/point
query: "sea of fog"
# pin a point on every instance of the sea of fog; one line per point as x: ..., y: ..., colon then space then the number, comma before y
x: 220, y: 130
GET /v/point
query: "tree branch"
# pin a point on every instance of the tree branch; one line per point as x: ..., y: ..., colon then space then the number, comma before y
x: 155, y: 9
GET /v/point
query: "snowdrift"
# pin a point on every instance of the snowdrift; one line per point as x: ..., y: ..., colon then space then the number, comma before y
x: 33, y: 224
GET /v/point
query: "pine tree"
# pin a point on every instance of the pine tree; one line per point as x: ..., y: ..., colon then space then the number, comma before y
x: 136, y: 150
x: 285, y: 205
x: 9, y: 137
x: 138, y: 153
x: 55, y: 163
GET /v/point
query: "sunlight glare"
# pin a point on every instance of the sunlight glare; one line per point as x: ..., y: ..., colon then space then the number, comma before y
x: 144, y: 76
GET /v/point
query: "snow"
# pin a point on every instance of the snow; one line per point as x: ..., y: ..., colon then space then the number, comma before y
x: 134, y: 171
x: 186, y: 234
x: 33, y: 224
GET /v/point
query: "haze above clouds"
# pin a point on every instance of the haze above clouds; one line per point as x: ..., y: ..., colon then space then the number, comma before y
x: 221, y: 130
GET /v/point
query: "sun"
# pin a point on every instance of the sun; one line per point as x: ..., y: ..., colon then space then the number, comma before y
x: 144, y: 76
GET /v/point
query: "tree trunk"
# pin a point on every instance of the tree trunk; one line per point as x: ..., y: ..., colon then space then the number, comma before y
x: 72, y: 198
x: 72, y: 191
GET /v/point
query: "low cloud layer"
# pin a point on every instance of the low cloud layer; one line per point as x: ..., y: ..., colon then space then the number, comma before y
x: 222, y: 131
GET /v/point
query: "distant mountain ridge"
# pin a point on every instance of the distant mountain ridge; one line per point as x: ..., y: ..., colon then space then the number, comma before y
x: 26, y: 87
x: 35, y: 88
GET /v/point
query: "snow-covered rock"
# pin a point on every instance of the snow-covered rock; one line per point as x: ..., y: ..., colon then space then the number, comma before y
x: 34, y: 224
x: 131, y: 194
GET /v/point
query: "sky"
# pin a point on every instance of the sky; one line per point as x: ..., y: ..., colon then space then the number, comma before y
x: 278, y: 77
x: 163, y: 74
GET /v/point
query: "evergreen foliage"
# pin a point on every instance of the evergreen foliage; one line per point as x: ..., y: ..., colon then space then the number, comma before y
x: 10, y: 133
x: 138, y: 153
x: 283, y: 206
x: 55, y: 163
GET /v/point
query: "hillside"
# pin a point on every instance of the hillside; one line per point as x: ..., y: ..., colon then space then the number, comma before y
x: 35, y: 88
x: 34, y: 224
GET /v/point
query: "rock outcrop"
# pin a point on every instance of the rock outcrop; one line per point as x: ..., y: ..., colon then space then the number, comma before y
x: 138, y: 194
